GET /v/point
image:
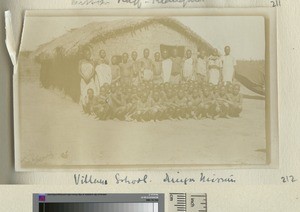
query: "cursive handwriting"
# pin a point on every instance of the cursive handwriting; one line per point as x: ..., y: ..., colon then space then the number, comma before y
x: 183, y: 2
x: 136, y: 3
x: 90, y: 2
x: 88, y: 179
x: 184, y: 181
x: 126, y: 180
x: 214, y: 179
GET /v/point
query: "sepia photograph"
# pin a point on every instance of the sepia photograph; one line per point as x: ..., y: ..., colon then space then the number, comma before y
x: 101, y: 91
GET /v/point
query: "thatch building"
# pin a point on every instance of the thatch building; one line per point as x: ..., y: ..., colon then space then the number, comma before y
x: 59, y: 58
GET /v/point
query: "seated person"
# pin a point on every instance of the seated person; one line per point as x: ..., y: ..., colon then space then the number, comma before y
x: 101, y: 106
x: 156, y: 108
x: 89, y: 102
x: 209, y: 104
x: 194, y: 105
x: 118, y: 103
x: 142, y: 109
x: 223, y: 102
x: 181, y: 105
x: 236, y: 101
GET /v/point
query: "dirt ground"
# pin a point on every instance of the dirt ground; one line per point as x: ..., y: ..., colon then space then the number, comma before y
x: 54, y: 132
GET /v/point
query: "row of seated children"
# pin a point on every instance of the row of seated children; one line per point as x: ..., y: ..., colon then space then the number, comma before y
x: 166, y: 101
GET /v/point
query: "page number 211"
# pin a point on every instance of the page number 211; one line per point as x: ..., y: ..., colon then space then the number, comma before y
x: 276, y: 3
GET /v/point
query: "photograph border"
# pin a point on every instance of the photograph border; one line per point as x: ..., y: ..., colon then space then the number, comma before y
x: 271, y: 102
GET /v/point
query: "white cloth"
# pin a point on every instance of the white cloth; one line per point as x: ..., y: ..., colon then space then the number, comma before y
x: 228, y: 67
x: 188, y: 68
x: 166, y: 69
x: 201, y: 66
x: 147, y: 74
x: 86, y: 70
x: 84, y: 88
x: 214, y: 76
x: 103, y: 75
x: 214, y: 64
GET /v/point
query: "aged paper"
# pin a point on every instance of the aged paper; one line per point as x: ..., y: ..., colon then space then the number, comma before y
x: 273, y: 195
x: 175, y: 88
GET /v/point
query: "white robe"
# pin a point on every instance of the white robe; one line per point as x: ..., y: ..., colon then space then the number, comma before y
x: 103, y: 75
x: 166, y: 69
x: 86, y: 71
x: 188, y: 69
x: 228, y: 68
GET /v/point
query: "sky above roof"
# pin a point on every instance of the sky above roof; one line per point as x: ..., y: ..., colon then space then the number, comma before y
x: 244, y: 34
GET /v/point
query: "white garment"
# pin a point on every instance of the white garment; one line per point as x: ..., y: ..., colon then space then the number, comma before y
x: 228, y: 67
x: 201, y: 66
x: 84, y: 88
x: 214, y: 76
x: 86, y: 70
x: 188, y: 68
x: 166, y: 69
x: 147, y: 74
x: 214, y: 64
x: 103, y: 75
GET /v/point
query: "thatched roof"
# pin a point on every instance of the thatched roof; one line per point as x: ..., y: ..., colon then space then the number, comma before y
x: 70, y: 42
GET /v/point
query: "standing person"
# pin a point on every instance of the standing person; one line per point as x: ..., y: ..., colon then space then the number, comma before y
x: 228, y: 62
x: 214, y: 68
x: 134, y: 69
x: 125, y: 68
x: 146, y: 66
x: 157, y: 77
x: 189, y: 67
x: 87, y: 72
x: 115, y: 70
x: 176, y: 72
x: 201, y: 67
x: 166, y: 66
x: 103, y: 72
x: 102, y: 59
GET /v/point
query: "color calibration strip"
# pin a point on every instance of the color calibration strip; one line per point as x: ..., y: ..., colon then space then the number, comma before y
x: 98, y: 207
x: 183, y: 202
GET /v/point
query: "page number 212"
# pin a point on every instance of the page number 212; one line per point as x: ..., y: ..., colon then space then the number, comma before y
x: 276, y: 3
x: 288, y: 179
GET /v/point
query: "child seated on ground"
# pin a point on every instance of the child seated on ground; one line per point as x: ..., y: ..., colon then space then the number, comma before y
x: 236, y: 102
x: 194, y: 104
x: 156, y: 109
x: 181, y: 105
x: 142, y: 109
x: 223, y: 102
x: 89, y: 102
x: 209, y: 104
x: 101, y: 106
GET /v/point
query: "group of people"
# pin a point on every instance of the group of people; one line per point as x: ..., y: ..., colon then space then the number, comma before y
x: 168, y: 87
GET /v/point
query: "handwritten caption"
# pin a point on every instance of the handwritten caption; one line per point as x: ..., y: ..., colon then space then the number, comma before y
x: 136, y: 3
x: 167, y: 178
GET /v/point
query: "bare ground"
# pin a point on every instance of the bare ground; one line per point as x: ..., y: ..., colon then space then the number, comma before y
x: 54, y: 132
